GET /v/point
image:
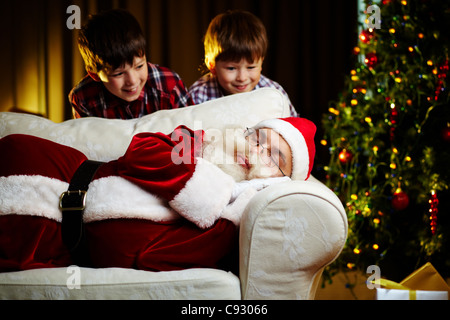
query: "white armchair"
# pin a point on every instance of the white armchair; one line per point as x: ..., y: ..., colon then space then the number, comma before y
x: 289, y: 231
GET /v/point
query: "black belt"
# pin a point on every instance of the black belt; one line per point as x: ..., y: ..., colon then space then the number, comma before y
x: 72, y: 204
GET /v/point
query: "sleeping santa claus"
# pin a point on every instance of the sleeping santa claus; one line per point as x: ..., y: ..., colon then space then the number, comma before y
x: 170, y: 202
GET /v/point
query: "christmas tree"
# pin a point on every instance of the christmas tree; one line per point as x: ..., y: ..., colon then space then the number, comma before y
x: 388, y: 135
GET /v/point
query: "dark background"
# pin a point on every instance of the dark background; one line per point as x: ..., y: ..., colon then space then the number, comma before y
x: 310, y: 47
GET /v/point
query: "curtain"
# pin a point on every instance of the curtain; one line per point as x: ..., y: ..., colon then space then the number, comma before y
x: 310, y: 47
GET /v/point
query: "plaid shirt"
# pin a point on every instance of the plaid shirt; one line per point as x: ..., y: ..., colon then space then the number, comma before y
x: 208, y: 88
x: 164, y: 90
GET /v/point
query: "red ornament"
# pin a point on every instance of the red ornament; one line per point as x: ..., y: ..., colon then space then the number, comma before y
x: 400, y: 200
x: 434, y: 202
x: 345, y: 156
x: 371, y: 59
x: 445, y: 133
x: 442, y: 74
x: 366, y: 35
x: 393, y: 119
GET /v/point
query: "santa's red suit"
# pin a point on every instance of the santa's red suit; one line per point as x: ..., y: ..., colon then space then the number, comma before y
x: 158, y: 207
x: 127, y: 220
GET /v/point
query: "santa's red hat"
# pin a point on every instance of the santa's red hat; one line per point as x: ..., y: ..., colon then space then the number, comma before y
x: 299, y: 134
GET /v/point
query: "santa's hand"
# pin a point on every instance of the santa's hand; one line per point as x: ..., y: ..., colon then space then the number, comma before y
x: 257, y: 184
x: 234, y: 210
x: 242, y: 193
x: 260, y: 184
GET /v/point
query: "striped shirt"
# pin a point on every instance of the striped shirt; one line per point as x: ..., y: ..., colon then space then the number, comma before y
x: 164, y: 90
x: 208, y: 88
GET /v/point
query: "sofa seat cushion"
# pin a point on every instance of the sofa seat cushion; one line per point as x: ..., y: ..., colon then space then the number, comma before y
x: 119, y: 284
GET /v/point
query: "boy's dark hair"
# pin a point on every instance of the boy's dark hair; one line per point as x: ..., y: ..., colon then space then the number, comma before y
x: 110, y: 40
x: 233, y: 35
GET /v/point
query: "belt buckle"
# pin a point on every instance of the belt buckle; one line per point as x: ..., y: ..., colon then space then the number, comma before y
x: 81, y: 200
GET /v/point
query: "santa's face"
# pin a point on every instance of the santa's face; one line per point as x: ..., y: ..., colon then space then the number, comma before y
x: 248, y: 154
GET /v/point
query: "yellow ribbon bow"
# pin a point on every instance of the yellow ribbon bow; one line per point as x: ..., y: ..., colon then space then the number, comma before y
x: 388, y: 284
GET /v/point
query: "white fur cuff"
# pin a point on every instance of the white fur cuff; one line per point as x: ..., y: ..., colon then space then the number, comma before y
x: 205, y: 195
x: 107, y: 198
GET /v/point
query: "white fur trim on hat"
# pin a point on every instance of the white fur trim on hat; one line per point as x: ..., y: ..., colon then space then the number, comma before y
x: 295, y: 139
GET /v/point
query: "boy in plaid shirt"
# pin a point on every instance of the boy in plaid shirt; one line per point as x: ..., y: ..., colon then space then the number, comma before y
x: 120, y: 82
x: 235, y: 46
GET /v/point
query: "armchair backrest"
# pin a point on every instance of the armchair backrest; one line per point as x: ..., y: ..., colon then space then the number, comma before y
x: 107, y: 139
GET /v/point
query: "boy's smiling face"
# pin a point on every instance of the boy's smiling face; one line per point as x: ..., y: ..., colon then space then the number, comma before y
x: 238, y: 77
x: 125, y: 82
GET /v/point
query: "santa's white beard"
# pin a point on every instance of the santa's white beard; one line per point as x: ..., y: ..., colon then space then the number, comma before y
x: 229, y: 150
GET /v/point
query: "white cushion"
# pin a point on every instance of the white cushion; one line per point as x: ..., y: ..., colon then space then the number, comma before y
x: 107, y: 139
x: 119, y: 284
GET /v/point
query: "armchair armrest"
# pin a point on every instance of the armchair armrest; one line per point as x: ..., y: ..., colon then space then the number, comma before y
x: 289, y: 233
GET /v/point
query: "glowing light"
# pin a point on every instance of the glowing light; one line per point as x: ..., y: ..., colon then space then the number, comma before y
x: 393, y: 166
x: 354, y: 197
x: 392, y: 30
x: 333, y: 111
x: 410, y: 49
x: 354, y: 102
x: 345, y: 156
x: 356, y: 251
x: 368, y: 119
x: 323, y: 142
x: 375, y: 247
x: 354, y: 77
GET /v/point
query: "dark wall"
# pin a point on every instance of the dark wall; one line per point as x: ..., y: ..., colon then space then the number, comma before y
x: 310, y: 45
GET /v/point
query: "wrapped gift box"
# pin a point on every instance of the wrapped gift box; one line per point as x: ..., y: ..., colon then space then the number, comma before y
x: 396, y: 294
x: 423, y: 284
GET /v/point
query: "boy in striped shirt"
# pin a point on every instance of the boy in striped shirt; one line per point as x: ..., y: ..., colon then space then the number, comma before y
x: 235, y: 46
x: 121, y: 83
